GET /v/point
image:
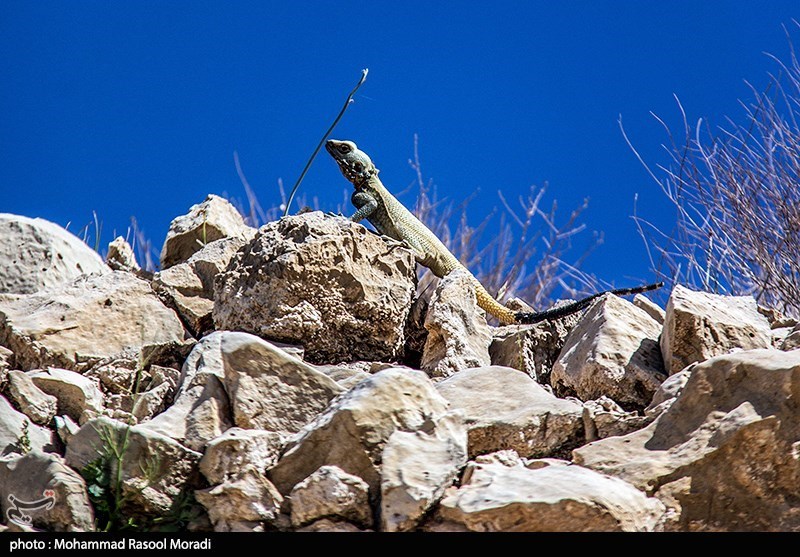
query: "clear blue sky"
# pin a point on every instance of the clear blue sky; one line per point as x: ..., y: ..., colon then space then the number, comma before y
x: 135, y: 108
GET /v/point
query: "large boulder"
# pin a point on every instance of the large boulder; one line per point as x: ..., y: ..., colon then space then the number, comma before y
x: 545, y: 496
x: 458, y: 336
x: 326, y: 283
x: 39, y: 477
x: 205, y: 222
x: 699, y: 326
x: 269, y: 388
x: 242, y: 503
x: 41, y: 255
x: 331, y: 493
x: 506, y: 409
x: 32, y: 401
x: 77, y: 396
x: 352, y: 432
x: 723, y: 455
x: 201, y: 409
x: 94, y: 318
x: 613, y: 351
x: 19, y: 435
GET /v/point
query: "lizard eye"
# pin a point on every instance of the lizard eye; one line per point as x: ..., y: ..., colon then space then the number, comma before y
x: 344, y: 148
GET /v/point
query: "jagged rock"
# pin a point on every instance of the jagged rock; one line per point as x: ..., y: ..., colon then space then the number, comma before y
x: 237, y: 450
x: 205, y: 222
x: 326, y: 283
x: 331, y: 493
x: 66, y: 427
x: 346, y: 377
x: 506, y: 409
x: 201, y: 410
x: 725, y: 452
x: 546, y: 496
x: 120, y: 256
x: 352, y: 432
x: 6, y: 359
x: 699, y: 326
x: 150, y: 402
x: 18, y: 435
x: 667, y: 392
x: 37, y: 405
x: 458, y: 336
x: 156, y: 470
x: 792, y: 340
x: 41, y: 255
x: 94, y: 318
x: 613, y: 351
x: 249, y: 498
x: 78, y: 397
x: 416, y: 469
x: 650, y: 307
x: 605, y: 418
x: 532, y: 349
x: 188, y: 287
x: 326, y: 525
x: 268, y: 388
x: 39, y: 475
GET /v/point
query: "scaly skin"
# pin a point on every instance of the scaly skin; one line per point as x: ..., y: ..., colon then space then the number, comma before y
x: 389, y: 217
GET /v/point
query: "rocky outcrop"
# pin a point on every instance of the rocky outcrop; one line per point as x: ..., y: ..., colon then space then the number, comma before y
x: 544, y: 496
x: 41, y: 255
x: 699, y: 326
x: 723, y: 456
x: 94, y: 318
x: 205, y: 222
x: 331, y: 493
x: 506, y: 409
x: 31, y: 401
x: 77, y: 396
x: 120, y: 256
x: 613, y: 351
x: 458, y: 336
x: 326, y: 283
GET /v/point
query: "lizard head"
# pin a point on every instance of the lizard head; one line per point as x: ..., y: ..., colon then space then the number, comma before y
x: 354, y: 163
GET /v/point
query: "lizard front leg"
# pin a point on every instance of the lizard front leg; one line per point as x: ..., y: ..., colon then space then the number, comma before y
x: 365, y: 204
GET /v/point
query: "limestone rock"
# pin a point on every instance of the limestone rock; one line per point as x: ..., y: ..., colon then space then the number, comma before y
x: 66, y: 427
x: 268, y: 388
x: 94, y: 318
x: 326, y: 283
x: 188, y: 287
x: 668, y: 391
x: 39, y: 475
x: 78, y: 397
x: 650, y: 307
x: 699, y: 326
x: 37, y: 405
x: 506, y: 409
x: 120, y: 256
x: 6, y: 360
x: 346, y: 377
x: 792, y: 340
x: 725, y: 452
x: 205, y: 222
x: 605, y: 418
x: 237, y: 450
x: 532, y: 349
x: 19, y: 435
x: 41, y: 255
x: 156, y: 470
x: 331, y: 493
x: 352, y: 432
x: 326, y: 525
x: 201, y: 409
x: 546, y: 496
x: 613, y: 351
x: 416, y: 469
x: 458, y: 336
x: 248, y: 498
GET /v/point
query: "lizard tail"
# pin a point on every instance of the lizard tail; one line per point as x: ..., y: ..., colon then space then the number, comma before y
x: 556, y: 313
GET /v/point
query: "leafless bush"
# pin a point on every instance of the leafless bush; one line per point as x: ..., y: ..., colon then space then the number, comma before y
x: 526, y: 255
x: 736, y: 193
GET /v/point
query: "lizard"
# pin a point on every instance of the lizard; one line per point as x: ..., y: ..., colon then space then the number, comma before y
x: 391, y: 218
